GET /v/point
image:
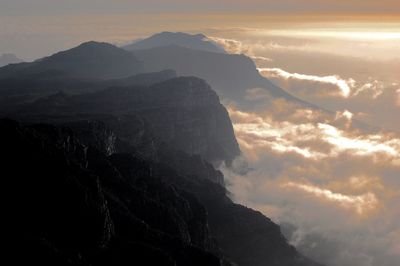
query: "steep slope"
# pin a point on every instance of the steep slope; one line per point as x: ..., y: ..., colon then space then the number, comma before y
x: 73, y: 206
x: 232, y: 76
x: 91, y: 60
x: 6, y: 59
x: 19, y: 90
x: 197, y: 42
x: 119, y: 209
x: 184, y: 113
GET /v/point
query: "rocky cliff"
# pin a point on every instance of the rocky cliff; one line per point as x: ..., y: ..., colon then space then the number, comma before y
x: 116, y: 170
x: 79, y: 201
x: 183, y: 113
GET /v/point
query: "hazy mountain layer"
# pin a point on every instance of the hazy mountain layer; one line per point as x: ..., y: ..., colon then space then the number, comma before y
x: 197, y: 42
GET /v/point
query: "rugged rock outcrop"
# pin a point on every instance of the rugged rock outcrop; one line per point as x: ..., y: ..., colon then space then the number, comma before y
x: 16, y: 91
x: 183, y: 113
x: 122, y: 176
x: 76, y: 206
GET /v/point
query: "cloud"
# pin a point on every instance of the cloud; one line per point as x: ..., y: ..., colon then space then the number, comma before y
x: 398, y: 97
x: 336, y: 183
x: 361, y: 203
x: 313, y: 140
x: 343, y: 86
x: 231, y: 46
x: 374, y: 88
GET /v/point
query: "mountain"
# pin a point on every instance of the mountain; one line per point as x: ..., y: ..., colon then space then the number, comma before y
x: 91, y: 60
x: 122, y: 171
x: 197, y: 42
x: 6, y: 59
x: 73, y: 205
x: 184, y: 112
x: 113, y: 208
x: 16, y: 91
x: 231, y: 75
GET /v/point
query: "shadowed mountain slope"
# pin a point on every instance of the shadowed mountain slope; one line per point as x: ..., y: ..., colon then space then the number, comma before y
x: 185, y: 113
x: 232, y: 76
x: 91, y: 60
x: 78, y: 201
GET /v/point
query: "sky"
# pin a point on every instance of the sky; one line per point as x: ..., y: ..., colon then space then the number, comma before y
x: 35, y: 28
x: 332, y: 180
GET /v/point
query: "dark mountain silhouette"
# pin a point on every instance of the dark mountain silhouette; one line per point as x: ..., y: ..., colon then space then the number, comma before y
x: 184, y: 112
x: 6, y: 59
x: 15, y: 91
x: 197, y: 42
x: 116, y: 169
x: 78, y: 201
x: 91, y: 60
x: 230, y: 75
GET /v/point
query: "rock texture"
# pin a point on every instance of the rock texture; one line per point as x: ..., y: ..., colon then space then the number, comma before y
x: 183, y: 113
x: 77, y: 205
x: 106, y: 168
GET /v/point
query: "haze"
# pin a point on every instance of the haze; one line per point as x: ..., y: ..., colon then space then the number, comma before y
x: 331, y: 180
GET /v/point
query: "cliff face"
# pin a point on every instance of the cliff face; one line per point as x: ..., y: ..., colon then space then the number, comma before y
x: 117, y: 171
x: 183, y: 113
x: 76, y: 206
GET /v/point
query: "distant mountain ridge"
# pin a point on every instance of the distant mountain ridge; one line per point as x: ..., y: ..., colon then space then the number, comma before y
x: 231, y: 75
x: 197, y: 42
x: 184, y: 112
x: 6, y: 59
x: 90, y: 60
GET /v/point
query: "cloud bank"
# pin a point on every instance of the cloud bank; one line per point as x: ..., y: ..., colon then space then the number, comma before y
x: 335, y: 183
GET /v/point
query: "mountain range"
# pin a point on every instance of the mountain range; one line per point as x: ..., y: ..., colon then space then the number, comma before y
x: 110, y: 157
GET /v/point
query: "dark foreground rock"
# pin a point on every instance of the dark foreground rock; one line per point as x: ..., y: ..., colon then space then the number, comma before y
x: 77, y: 201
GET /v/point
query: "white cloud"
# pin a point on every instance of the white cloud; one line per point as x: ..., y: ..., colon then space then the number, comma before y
x: 232, y: 46
x: 337, y: 184
x: 361, y: 203
x: 343, y: 86
x: 307, y: 139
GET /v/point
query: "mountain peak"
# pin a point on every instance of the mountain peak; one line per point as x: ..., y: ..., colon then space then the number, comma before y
x: 95, y: 44
x: 89, y: 60
x: 166, y: 38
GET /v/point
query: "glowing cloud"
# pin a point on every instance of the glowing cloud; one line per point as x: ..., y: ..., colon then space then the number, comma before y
x: 343, y: 85
x: 360, y: 145
x: 311, y: 140
x: 398, y: 97
x: 361, y: 203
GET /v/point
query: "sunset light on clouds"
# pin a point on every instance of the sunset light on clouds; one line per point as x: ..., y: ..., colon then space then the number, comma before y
x: 321, y: 158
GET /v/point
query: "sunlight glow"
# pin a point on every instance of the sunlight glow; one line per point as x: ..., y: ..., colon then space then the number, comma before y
x: 361, y: 203
x: 343, y: 85
x: 311, y: 140
x: 340, y: 34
